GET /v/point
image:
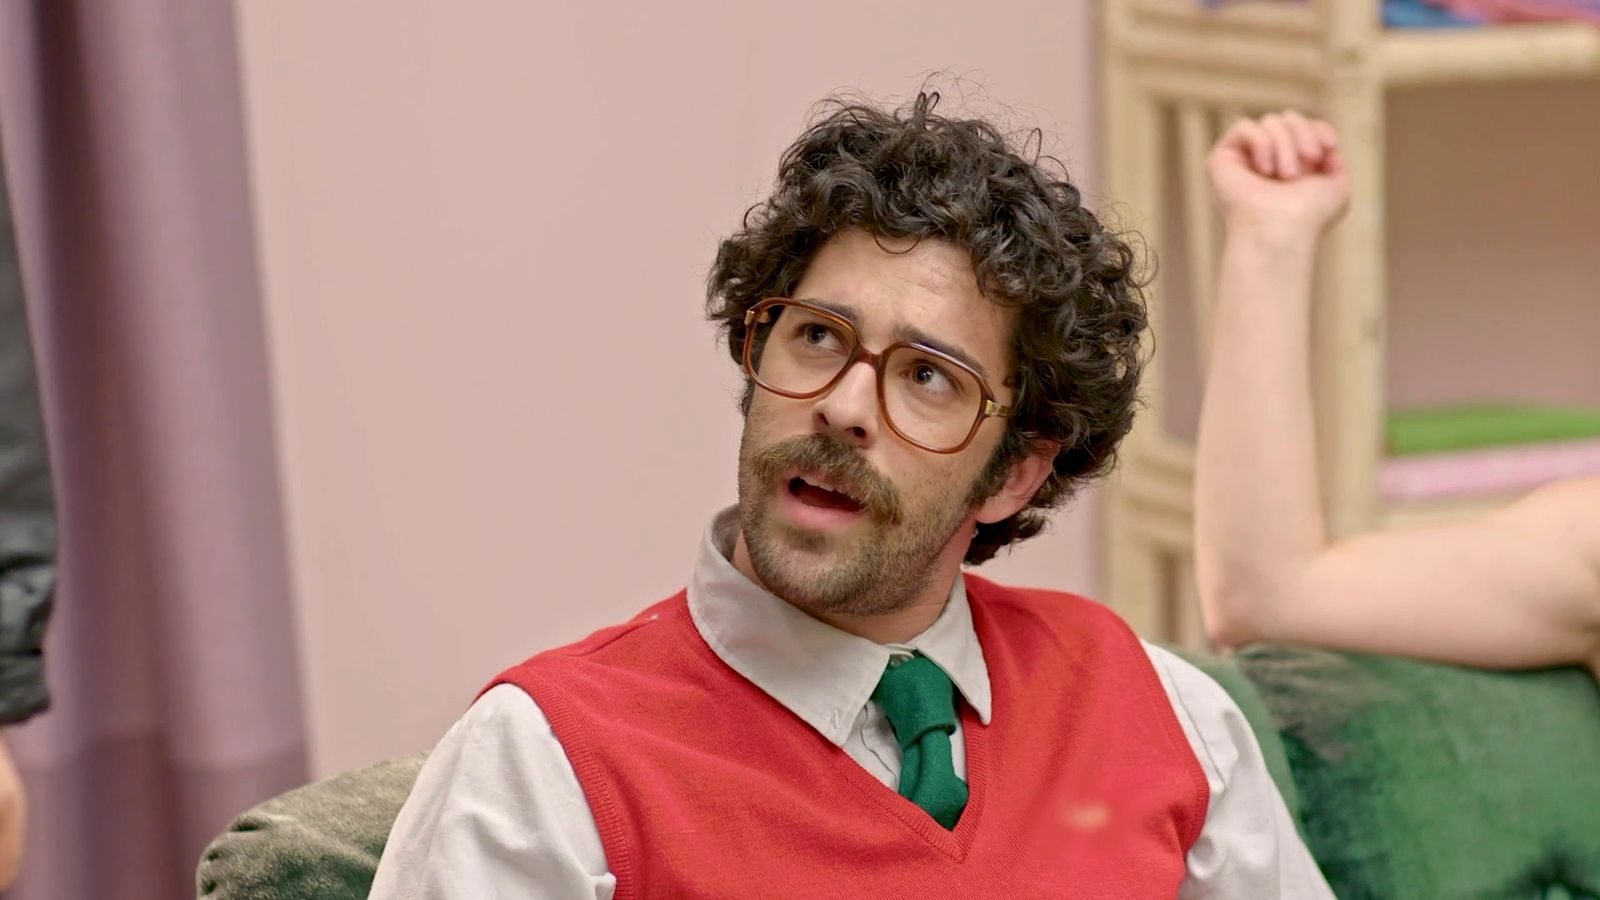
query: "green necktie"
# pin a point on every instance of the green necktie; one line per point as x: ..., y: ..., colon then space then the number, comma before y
x: 920, y: 702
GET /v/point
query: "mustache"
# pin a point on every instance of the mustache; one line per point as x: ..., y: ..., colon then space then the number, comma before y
x: 831, y: 459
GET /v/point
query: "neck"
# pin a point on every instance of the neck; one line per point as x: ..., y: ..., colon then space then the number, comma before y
x: 896, y: 626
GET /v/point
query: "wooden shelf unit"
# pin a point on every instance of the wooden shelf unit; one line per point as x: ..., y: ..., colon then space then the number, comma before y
x: 1175, y: 73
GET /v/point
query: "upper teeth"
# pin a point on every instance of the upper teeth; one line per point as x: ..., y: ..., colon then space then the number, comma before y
x: 817, y: 483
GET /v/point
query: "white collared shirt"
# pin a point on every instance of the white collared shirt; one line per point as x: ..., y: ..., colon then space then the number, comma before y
x: 497, y: 810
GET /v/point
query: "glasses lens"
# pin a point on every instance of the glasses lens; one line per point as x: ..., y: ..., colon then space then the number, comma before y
x: 930, y: 399
x: 798, y: 351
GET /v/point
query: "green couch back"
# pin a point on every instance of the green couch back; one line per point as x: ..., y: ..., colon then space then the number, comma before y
x: 1432, y: 781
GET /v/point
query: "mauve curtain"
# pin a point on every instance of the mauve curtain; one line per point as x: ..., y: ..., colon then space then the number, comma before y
x: 171, y: 657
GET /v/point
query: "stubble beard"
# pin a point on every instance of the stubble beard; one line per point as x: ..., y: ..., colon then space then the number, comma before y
x: 882, y: 571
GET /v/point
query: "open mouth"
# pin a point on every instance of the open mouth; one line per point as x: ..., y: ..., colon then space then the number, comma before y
x: 817, y: 493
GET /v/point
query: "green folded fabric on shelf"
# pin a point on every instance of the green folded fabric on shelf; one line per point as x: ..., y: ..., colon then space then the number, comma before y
x: 1473, y: 426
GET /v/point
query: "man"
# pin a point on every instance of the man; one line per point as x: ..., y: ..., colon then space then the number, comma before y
x: 940, y: 342
x: 1519, y: 587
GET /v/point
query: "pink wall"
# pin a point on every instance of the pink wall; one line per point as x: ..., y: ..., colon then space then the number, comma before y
x: 504, y: 422
x: 1494, y: 217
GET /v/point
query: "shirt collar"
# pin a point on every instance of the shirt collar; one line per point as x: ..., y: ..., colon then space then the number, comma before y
x: 783, y: 651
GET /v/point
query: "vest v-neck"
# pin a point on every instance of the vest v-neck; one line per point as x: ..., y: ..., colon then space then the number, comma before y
x: 955, y: 843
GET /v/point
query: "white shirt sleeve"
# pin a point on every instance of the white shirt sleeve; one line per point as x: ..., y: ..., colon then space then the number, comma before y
x: 1248, y: 846
x: 496, y: 812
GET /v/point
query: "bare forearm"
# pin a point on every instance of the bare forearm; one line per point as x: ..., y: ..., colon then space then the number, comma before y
x: 1520, y: 587
x: 1258, y: 515
x: 1517, y: 587
x: 1506, y: 590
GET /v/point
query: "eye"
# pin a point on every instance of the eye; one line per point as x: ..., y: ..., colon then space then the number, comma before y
x: 932, y: 379
x: 818, y: 337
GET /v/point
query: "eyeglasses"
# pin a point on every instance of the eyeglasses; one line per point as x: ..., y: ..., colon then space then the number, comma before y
x: 928, y: 397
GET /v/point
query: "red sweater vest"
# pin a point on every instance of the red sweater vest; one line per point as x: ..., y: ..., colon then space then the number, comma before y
x: 1082, y: 785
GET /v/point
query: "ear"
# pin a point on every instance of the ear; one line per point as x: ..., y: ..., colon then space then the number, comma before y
x: 1022, y: 482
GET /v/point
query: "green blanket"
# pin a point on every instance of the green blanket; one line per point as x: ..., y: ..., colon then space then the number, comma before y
x: 1433, y: 781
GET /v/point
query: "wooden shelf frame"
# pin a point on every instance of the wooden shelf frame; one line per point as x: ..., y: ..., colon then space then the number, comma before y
x: 1305, y: 41
x: 1176, y: 72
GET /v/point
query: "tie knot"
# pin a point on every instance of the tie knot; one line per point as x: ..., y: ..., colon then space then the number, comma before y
x: 918, y: 697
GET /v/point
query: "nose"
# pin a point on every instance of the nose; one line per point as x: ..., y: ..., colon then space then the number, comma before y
x: 850, y: 411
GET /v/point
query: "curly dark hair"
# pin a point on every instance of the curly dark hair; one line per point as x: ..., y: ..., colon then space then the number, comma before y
x: 910, y: 173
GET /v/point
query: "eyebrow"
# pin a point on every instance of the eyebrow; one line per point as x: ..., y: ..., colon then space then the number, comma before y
x: 904, y: 333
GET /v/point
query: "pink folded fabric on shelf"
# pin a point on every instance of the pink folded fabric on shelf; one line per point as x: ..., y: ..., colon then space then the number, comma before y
x: 1524, y: 10
x: 1489, y: 471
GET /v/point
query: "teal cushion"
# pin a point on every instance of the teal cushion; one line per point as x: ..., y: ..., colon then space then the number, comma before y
x: 1423, y: 780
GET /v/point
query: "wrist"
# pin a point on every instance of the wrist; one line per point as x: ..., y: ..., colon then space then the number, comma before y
x: 1273, y: 233
x: 1278, y: 253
